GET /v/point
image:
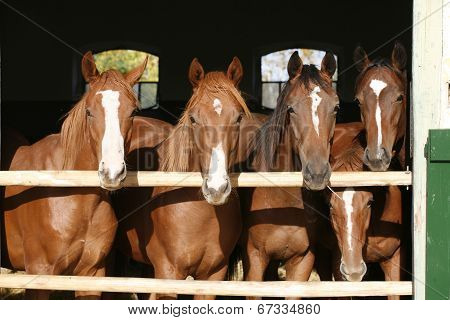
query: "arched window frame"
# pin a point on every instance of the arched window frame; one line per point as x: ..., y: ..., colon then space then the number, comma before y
x: 78, y: 83
x: 262, y: 51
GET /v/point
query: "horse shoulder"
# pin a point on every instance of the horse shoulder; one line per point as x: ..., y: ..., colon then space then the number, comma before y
x: 148, y: 132
x: 45, y: 154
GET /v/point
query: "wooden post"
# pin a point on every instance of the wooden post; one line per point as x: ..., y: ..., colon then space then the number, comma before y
x: 428, y: 113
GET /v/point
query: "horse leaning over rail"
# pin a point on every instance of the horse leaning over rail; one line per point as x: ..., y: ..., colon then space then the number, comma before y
x: 296, y: 136
x: 71, y: 230
x: 191, y: 232
x: 381, y: 93
x: 365, y: 224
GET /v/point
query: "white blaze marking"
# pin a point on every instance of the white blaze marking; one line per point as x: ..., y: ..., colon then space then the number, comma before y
x: 378, y: 86
x: 217, y: 105
x: 112, y: 143
x: 315, y: 104
x: 217, y: 169
x: 348, y: 202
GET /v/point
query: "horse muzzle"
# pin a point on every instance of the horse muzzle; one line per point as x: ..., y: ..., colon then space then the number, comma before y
x: 111, y: 178
x: 316, y: 177
x: 353, y: 274
x: 218, y: 194
x: 377, y: 161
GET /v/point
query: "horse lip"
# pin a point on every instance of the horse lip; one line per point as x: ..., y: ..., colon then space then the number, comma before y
x: 315, y: 187
x: 378, y: 167
x: 110, y: 186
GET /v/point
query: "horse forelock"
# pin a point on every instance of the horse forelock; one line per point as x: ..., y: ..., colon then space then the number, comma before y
x: 381, y: 64
x: 212, y: 84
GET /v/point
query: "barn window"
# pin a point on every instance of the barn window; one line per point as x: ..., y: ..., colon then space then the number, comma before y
x: 125, y: 60
x: 274, y: 72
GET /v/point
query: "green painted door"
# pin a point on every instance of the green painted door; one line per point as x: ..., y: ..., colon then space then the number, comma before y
x: 438, y: 215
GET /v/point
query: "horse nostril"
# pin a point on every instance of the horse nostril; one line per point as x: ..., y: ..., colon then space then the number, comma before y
x: 223, y: 187
x: 122, y: 171
x: 364, y: 268
x: 307, y: 172
x: 342, y: 269
x: 384, y: 155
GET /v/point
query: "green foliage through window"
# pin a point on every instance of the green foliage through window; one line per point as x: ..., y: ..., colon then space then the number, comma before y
x: 126, y: 60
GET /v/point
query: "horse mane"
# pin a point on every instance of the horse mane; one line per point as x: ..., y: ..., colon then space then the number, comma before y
x: 350, y: 159
x: 213, y: 83
x: 73, y: 133
x: 270, y: 135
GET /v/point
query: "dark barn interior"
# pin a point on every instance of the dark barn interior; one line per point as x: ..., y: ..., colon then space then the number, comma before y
x: 42, y: 43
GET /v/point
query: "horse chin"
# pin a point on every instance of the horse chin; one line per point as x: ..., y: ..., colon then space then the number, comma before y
x: 353, y: 277
x: 111, y: 187
x: 217, y: 199
x: 377, y: 166
x: 315, y: 186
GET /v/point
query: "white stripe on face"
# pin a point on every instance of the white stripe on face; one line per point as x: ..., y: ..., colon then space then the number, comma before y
x: 217, y: 105
x: 347, y: 196
x: 217, y: 168
x: 315, y: 104
x: 378, y: 86
x: 112, y: 143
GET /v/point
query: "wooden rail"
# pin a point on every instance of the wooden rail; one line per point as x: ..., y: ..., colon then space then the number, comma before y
x: 194, y: 179
x: 226, y: 288
x: 313, y: 289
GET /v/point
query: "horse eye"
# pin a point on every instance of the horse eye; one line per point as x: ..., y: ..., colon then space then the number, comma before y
x: 88, y: 113
x: 192, y: 120
x: 239, y: 119
x: 134, y: 113
x: 290, y: 109
x: 370, y: 203
x: 357, y: 102
x: 336, y: 108
x: 399, y: 98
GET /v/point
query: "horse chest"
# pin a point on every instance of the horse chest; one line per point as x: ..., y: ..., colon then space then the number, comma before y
x: 380, y: 248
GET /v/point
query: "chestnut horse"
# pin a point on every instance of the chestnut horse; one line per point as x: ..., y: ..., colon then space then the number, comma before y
x: 191, y: 232
x: 381, y: 93
x: 367, y: 223
x: 71, y: 230
x: 297, y: 135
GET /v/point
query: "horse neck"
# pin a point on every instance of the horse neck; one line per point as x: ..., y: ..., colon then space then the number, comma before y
x: 86, y: 158
x: 401, y: 154
x: 388, y: 208
x: 284, y: 156
x: 166, y: 148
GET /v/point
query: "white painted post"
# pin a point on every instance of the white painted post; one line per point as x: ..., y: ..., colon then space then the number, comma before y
x: 428, y: 113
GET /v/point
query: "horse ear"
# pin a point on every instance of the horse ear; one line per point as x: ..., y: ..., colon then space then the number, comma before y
x: 360, y: 58
x: 196, y: 73
x: 134, y: 75
x: 235, y: 71
x: 295, y: 65
x: 329, y: 64
x: 88, y: 67
x: 399, y: 56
